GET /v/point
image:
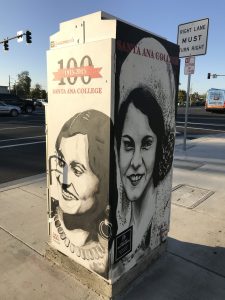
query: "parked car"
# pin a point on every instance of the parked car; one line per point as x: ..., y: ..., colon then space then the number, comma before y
x: 199, y: 102
x: 9, y: 109
x: 41, y: 102
x: 27, y: 106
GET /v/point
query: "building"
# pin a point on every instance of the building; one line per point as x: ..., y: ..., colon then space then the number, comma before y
x: 4, y: 89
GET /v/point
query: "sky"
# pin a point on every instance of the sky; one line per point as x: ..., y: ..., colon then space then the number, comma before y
x: 161, y: 17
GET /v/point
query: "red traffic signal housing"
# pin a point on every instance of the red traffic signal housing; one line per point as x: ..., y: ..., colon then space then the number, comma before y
x: 209, y: 75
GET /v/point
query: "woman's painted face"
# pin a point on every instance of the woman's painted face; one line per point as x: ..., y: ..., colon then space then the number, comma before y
x: 137, y: 153
x: 77, y: 184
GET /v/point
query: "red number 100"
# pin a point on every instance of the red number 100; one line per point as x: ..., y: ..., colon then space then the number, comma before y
x: 72, y: 63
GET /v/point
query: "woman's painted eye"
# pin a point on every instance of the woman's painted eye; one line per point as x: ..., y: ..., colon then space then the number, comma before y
x: 77, y: 169
x: 128, y: 144
x: 146, y: 143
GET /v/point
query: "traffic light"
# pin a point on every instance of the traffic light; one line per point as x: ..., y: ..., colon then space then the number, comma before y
x: 209, y: 74
x: 6, y: 45
x: 28, y: 37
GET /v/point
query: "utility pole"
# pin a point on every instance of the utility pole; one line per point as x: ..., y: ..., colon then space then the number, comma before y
x: 9, y: 85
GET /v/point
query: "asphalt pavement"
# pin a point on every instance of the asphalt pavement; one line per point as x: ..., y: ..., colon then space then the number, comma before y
x: 192, y: 268
x: 22, y: 146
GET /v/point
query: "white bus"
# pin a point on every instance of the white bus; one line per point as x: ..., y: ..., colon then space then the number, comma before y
x: 215, y: 100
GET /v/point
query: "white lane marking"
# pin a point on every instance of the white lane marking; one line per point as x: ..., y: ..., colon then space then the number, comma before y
x: 203, y: 128
x: 24, y: 138
x: 24, y: 144
x: 207, y: 119
x: 207, y: 124
x: 21, y: 127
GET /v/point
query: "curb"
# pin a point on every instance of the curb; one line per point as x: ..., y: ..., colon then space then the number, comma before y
x: 21, y: 182
x: 199, y: 159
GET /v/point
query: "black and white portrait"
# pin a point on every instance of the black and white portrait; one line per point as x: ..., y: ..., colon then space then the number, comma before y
x: 145, y: 134
x: 80, y: 170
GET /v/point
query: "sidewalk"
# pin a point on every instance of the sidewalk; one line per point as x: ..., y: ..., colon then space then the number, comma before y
x: 192, y: 268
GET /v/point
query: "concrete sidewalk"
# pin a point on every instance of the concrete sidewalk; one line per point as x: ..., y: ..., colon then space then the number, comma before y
x: 192, y: 268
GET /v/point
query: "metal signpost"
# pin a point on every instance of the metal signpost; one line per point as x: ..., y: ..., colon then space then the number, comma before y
x: 188, y: 70
x: 192, y: 38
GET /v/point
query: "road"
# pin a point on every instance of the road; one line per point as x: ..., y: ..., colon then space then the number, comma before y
x: 22, y: 146
x: 22, y: 139
x: 200, y: 122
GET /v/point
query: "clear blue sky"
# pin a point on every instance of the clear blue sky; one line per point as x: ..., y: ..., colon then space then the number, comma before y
x: 42, y: 18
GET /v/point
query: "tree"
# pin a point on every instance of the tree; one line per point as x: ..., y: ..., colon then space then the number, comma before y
x: 182, y: 96
x: 194, y: 98
x: 37, y: 92
x: 44, y: 94
x: 23, y: 84
x: 22, y: 87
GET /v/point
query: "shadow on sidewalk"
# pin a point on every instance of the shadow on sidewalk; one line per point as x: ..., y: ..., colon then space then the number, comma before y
x: 209, y: 258
x: 187, y: 271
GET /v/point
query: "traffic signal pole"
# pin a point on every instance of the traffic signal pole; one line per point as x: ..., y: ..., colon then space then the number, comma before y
x: 214, y: 75
x: 6, y: 41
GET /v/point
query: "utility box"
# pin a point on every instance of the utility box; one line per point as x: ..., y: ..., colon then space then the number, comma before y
x: 112, y: 89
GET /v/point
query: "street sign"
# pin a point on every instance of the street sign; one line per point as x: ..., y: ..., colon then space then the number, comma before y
x: 189, y: 67
x: 192, y: 38
x: 19, y: 36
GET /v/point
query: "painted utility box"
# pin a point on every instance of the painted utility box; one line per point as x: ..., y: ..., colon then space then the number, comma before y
x: 112, y: 89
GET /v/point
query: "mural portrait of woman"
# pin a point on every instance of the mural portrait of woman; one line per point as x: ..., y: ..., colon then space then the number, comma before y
x: 82, y: 210
x: 145, y: 140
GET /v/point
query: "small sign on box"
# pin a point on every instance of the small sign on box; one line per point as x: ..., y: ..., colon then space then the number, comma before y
x: 123, y: 243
